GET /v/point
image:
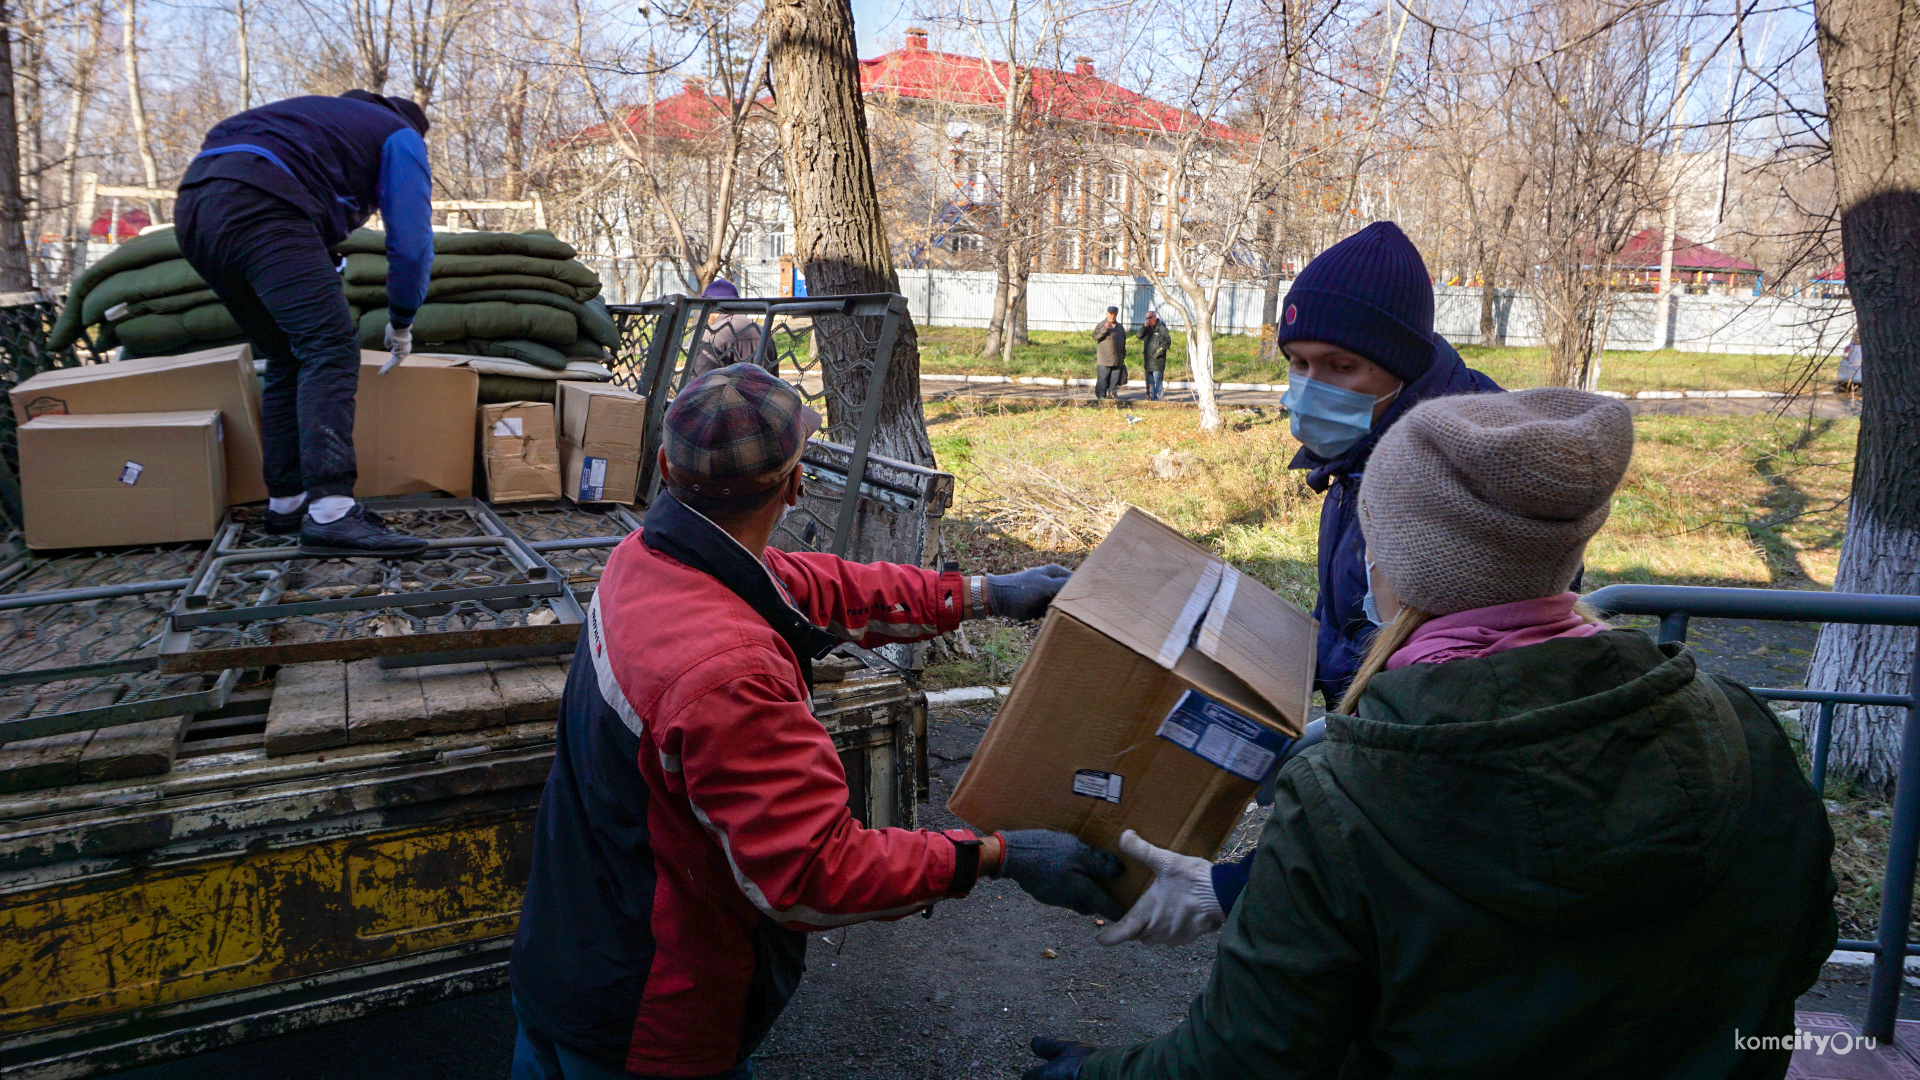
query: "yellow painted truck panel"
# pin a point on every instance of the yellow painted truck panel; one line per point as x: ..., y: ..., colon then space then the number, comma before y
x: 151, y: 937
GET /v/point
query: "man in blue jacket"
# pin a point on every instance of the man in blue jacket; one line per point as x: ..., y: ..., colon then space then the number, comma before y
x: 1357, y: 330
x: 271, y: 190
x: 1358, y: 333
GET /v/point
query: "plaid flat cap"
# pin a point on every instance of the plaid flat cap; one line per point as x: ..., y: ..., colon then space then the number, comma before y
x: 736, y: 431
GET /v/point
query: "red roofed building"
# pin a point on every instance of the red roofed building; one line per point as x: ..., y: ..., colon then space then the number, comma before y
x: 1693, y: 263
x: 937, y: 120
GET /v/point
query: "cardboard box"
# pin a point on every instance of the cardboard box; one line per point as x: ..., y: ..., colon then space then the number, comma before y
x: 1160, y: 691
x: 521, y: 459
x: 219, y: 379
x: 602, y: 430
x: 99, y: 480
x: 413, y: 428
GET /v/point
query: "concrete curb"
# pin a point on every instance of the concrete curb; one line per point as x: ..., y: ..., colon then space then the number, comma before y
x: 964, y: 694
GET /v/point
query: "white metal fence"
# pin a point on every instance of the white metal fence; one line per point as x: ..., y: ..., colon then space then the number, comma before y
x: 1767, y: 325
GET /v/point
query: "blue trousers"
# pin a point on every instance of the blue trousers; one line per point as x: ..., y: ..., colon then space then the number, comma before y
x: 1156, y: 385
x: 269, y: 266
x: 536, y: 1057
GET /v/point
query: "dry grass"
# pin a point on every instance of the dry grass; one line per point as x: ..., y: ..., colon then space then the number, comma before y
x: 1751, y: 500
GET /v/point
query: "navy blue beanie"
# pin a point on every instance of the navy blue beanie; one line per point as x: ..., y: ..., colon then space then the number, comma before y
x: 1369, y: 294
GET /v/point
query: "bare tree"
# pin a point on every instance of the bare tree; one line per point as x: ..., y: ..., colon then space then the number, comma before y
x: 1870, y: 52
x: 16, y: 267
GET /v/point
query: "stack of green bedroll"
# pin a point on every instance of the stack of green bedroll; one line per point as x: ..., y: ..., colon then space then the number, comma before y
x: 523, y: 298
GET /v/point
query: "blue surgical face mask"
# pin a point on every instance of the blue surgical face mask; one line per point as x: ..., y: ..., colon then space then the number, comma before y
x: 1328, y: 419
x: 1368, y: 606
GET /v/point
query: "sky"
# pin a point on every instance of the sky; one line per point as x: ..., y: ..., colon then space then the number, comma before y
x: 878, y: 25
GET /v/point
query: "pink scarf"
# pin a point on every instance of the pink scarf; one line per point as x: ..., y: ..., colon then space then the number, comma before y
x: 1488, y: 630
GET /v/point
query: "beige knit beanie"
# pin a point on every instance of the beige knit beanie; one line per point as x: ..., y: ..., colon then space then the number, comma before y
x: 1482, y: 499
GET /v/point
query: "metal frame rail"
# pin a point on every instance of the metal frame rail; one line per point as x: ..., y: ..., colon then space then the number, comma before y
x: 79, y: 638
x: 1675, y: 605
x: 481, y: 573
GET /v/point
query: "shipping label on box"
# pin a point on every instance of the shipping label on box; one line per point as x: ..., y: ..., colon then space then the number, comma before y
x: 1162, y: 687
x: 1239, y: 744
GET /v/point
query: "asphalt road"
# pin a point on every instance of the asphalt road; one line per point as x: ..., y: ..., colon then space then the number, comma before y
x: 956, y: 995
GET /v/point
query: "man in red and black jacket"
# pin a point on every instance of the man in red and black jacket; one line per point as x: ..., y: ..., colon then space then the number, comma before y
x: 695, y: 825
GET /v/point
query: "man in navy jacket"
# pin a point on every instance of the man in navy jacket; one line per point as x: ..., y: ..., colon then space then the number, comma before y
x: 271, y: 190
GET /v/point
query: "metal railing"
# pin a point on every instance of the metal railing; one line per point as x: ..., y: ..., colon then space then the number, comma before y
x: 662, y: 339
x: 1676, y: 605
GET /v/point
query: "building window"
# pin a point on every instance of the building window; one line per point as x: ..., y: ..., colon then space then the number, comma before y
x: 965, y: 241
x: 1110, y: 256
x: 1114, y: 185
x: 1070, y: 251
x: 1157, y: 254
x: 776, y: 245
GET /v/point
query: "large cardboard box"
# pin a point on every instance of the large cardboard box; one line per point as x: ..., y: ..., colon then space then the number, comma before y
x: 220, y: 379
x: 520, y: 457
x: 602, y: 429
x: 413, y: 428
x: 1163, y: 686
x: 98, y: 480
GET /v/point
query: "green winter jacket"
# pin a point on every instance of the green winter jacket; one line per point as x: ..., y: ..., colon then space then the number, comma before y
x: 1577, y: 859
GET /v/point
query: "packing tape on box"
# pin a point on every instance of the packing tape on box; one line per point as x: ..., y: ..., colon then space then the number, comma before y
x: 1217, y: 611
x: 1181, y: 633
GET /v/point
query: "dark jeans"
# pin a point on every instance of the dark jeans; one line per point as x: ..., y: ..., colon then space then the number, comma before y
x: 1156, y: 385
x: 266, y: 261
x: 536, y: 1057
x: 1109, y: 381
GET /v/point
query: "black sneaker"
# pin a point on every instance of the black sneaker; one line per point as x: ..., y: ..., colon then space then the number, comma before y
x: 277, y: 524
x: 357, y: 532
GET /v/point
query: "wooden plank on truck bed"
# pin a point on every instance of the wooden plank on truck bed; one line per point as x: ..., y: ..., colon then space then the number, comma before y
x: 308, y: 710
x: 383, y: 704
x: 530, y: 689
x: 129, y: 750
x: 39, y: 763
x: 460, y: 697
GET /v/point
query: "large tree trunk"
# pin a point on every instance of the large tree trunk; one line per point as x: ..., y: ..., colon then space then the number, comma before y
x: 1870, y: 56
x: 840, y: 237
x: 16, y: 266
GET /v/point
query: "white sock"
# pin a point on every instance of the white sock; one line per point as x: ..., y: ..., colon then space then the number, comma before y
x: 287, y: 504
x: 328, y: 509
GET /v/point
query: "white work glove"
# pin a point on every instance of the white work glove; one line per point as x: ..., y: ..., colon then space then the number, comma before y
x: 1177, y: 908
x: 399, y: 343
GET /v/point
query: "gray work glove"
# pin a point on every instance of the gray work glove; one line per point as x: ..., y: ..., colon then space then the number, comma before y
x: 1059, y: 869
x: 1061, y: 1059
x: 399, y: 344
x: 1025, y: 595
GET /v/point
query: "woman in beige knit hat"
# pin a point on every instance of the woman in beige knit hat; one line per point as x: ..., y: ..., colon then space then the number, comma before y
x: 1528, y: 845
x: 1477, y: 512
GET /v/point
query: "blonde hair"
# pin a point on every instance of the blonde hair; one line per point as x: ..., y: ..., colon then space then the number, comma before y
x: 1390, y: 638
x: 1386, y: 641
